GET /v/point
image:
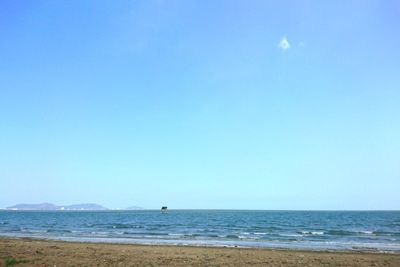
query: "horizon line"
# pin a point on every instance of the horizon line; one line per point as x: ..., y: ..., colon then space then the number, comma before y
x: 205, y: 209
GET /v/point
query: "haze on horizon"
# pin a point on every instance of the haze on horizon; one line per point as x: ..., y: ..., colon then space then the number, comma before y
x: 201, y: 104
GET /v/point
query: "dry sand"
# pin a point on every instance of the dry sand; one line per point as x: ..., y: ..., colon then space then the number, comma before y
x: 28, y: 252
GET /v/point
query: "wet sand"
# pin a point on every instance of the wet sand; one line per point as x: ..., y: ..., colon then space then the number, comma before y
x: 30, y: 252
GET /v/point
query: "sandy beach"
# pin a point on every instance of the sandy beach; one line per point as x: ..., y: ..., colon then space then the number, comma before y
x: 29, y: 252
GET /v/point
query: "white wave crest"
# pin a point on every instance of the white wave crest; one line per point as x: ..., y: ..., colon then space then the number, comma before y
x: 312, y: 232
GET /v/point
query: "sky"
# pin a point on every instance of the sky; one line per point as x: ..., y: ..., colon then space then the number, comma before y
x: 201, y: 104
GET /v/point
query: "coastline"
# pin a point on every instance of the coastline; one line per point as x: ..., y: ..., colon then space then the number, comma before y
x: 41, y: 252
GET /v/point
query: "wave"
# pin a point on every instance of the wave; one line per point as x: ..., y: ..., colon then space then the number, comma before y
x: 366, y: 232
x: 58, y: 231
x: 35, y: 231
x: 125, y: 226
x: 176, y: 234
x: 340, y: 232
x: 248, y: 237
x: 379, y: 232
x: 290, y: 235
x: 312, y: 232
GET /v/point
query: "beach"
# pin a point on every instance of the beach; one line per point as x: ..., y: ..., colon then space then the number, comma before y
x: 34, y: 252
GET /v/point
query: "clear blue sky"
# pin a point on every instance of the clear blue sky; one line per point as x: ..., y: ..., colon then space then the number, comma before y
x: 201, y: 104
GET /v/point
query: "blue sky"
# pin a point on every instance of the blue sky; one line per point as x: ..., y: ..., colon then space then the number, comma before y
x: 201, y: 104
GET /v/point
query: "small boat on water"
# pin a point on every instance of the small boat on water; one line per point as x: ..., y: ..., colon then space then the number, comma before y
x: 164, y: 209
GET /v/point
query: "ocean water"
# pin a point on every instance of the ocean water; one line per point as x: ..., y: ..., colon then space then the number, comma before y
x: 320, y: 230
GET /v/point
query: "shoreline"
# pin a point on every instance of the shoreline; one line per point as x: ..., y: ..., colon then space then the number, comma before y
x: 372, y: 251
x: 31, y: 251
x: 178, y: 243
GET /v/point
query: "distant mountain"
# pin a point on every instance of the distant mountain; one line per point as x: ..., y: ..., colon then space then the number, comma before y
x: 49, y: 206
x: 134, y: 208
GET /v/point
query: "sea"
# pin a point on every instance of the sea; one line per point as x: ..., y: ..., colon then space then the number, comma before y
x: 316, y: 230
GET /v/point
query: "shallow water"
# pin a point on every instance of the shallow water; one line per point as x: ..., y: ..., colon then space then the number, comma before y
x: 344, y: 230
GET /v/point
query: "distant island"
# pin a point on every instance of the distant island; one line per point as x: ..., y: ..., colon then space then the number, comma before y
x: 50, y: 207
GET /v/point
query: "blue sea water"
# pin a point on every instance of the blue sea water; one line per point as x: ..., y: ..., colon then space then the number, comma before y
x: 343, y: 230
